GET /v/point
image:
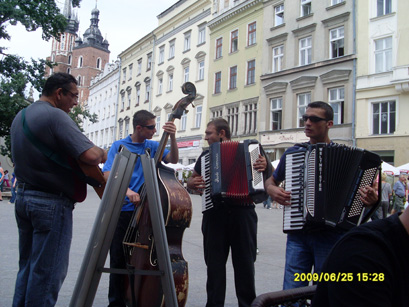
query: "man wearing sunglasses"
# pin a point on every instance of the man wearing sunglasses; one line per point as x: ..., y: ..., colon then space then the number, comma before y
x: 144, y: 125
x: 308, y: 249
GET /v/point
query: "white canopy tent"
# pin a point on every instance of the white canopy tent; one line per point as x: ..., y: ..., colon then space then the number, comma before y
x: 387, y: 168
x: 275, y: 163
x: 189, y: 167
x: 404, y: 167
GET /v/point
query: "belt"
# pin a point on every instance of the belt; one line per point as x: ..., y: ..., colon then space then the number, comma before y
x: 27, y: 186
x: 399, y: 196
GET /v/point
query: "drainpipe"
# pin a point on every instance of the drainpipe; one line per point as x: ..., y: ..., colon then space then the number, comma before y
x: 117, y: 97
x: 354, y: 73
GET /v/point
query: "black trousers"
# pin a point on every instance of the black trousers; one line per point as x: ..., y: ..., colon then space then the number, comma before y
x: 116, y: 292
x: 226, y: 228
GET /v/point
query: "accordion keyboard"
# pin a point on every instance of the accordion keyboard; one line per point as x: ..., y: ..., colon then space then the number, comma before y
x: 294, y: 182
x: 205, y: 170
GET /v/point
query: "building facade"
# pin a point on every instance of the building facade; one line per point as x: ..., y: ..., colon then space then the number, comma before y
x: 235, y: 65
x: 383, y: 79
x: 308, y: 55
x: 102, y: 101
x: 154, y: 69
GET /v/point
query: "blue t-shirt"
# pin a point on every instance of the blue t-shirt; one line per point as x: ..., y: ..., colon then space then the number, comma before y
x: 279, y: 172
x: 137, y: 176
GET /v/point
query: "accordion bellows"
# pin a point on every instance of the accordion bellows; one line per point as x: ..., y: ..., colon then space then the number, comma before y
x: 229, y: 174
x: 324, y: 180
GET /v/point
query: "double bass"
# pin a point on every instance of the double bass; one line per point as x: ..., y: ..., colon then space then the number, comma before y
x: 139, y: 241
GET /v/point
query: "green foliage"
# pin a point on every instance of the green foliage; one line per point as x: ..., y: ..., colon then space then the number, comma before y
x: 79, y: 112
x: 16, y: 73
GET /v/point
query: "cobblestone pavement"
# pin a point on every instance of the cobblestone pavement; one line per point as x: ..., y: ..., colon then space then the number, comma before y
x: 269, y: 264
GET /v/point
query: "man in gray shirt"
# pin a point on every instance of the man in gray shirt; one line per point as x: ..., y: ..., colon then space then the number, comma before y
x: 399, y: 190
x: 47, y: 190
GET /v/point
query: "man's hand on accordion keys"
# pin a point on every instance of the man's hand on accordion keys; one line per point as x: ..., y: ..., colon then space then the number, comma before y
x: 196, y: 183
x: 277, y: 193
x: 260, y: 164
x: 369, y: 195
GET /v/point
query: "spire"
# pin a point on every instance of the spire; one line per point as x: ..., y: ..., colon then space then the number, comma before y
x: 67, y: 11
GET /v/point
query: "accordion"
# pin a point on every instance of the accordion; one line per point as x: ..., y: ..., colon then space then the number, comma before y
x: 229, y: 175
x: 324, y: 181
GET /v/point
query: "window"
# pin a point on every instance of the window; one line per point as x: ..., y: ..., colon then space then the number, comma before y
x: 123, y: 75
x: 251, y: 72
x: 336, y: 38
x: 183, y: 120
x: 62, y: 41
x: 250, y: 118
x: 170, y: 83
x: 217, y: 113
x: 251, y: 34
x: 333, y: 2
x: 278, y: 57
x: 202, y: 35
x: 233, y: 119
x: 383, y: 54
x: 160, y: 85
x: 148, y: 91
x: 157, y: 124
x: 198, y: 116
x: 336, y: 100
x: 383, y: 7
x: 384, y: 117
x: 303, y: 100
x: 279, y: 15
x: 149, y: 62
x: 99, y: 63
x: 129, y: 100
x: 80, y: 61
x: 276, y: 113
x: 186, y: 74
x: 305, y: 50
x: 122, y: 101
x: 161, y: 54
x: 217, y: 82
x: 69, y: 59
x: 121, y: 128
x: 171, y: 49
x: 233, y: 77
x: 138, y: 94
x: 139, y: 67
x: 219, y: 45
x: 201, y: 70
x: 126, y: 126
x: 305, y: 7
x: 186, y: 44
x: 130, y: 67
x: 234, y: 40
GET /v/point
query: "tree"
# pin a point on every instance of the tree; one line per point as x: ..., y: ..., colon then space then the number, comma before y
x: 16, y: 73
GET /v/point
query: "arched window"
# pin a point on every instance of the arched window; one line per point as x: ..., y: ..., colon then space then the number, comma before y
x: 79, y: 80
x: 68, y: 70
x: 69, y: 59
x: 99, y: 63
x: 80, y: 61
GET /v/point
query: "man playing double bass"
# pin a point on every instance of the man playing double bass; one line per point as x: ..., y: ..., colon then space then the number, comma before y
x: 144, y: 125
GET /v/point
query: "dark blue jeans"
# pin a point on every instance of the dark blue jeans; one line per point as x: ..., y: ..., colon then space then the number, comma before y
x: 305, y: 251
x: 44, y: 223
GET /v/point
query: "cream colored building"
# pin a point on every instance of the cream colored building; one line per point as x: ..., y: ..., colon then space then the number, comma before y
x: 383, y: 79
x: 155, y: 68
x: 102, y: 101
x: 308, y: 55
x: 235, y: 65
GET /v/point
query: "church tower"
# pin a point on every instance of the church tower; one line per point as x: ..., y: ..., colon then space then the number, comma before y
x: 89, y: 56
x: 61, y: 51
x: 83, y: 58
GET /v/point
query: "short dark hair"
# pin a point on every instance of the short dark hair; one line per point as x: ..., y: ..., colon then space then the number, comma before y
x: 141, y: 117
x: 329, y: 112
x: 56, y: 81
x: 221, y: 124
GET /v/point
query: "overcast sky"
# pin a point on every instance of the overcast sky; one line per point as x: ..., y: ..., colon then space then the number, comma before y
x: 121, y: 22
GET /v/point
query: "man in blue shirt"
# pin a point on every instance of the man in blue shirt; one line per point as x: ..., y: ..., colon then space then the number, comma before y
x: 399, y: 190
x: 144, y: 125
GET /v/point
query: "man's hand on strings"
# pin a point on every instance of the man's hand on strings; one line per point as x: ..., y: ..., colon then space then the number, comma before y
x: 170, y: 128
x: 133, y: 197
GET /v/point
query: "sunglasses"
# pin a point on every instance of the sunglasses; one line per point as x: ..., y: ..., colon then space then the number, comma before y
x: 314, y: 119
x: 150, y: 127
x: 72, y: 94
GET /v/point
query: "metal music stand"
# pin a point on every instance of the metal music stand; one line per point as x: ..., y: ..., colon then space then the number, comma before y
x: 103, y: 229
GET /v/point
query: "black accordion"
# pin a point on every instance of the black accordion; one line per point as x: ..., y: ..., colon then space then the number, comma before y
x: 324, y: 180
x: 229, y: 174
